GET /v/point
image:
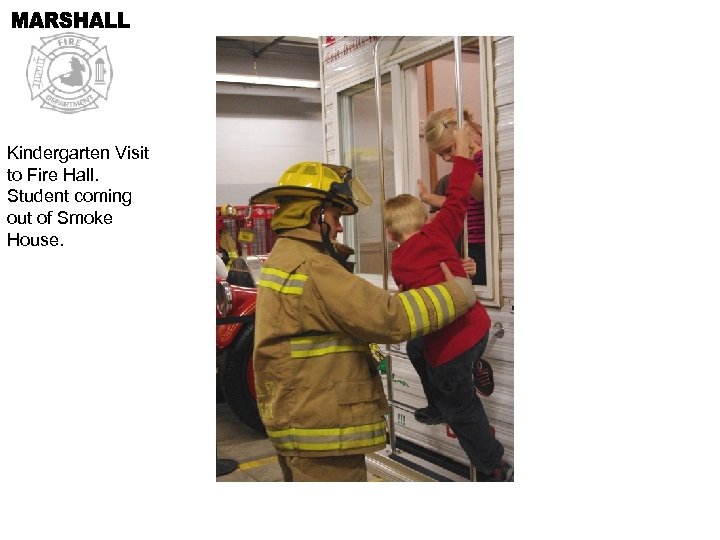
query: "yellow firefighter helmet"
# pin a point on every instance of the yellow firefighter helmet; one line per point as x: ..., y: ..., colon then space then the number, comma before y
x: 309, y: 180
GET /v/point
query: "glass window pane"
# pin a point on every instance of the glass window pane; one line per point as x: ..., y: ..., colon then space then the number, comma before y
x: 360, y: 146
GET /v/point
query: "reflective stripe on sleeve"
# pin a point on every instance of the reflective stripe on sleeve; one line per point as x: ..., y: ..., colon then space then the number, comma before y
x: 416, y: 308
x: 422, y: 308
x: 417, y: 312
x: 329, y: 438
x: 440, y: 314
x: 442, y: 301
x: 307, y: 346
x: 410, y: 314
x: 283, y: 282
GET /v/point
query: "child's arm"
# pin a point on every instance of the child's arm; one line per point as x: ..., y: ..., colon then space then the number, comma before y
x: 451, y: 216
x: 477, y: 189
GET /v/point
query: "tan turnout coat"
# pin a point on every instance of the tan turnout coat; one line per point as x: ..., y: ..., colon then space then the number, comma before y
x: 318, y: 391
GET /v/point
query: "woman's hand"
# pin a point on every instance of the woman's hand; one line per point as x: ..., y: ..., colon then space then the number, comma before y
x: 422, y: 190
x: 432, y: 199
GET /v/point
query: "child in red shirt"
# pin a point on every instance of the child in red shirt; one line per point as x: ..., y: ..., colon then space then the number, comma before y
x: 451, y: 351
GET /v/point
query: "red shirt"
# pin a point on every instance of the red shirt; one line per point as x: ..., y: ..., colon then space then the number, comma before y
x: 416, y: 263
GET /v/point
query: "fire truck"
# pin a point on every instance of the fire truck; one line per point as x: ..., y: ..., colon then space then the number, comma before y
x: 244, y: 237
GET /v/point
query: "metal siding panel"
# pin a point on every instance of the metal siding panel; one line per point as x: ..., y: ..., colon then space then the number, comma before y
x: 499, y: 407
x: 504, y: 71
x: 502, y: 353
x: 507, y: 228
x: 506, y: 202
x: 507, y: 266
x: 506, y: 137
x: 503, y: 61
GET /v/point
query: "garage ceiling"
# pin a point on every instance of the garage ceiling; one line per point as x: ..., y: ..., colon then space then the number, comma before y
x: 267, y: 61
x: 258, y: 46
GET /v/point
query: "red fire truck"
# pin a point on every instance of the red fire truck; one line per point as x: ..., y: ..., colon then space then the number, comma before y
x: 245, y: 238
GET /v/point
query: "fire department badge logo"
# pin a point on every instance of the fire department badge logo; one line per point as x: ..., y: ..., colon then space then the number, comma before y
x: 69, y: 73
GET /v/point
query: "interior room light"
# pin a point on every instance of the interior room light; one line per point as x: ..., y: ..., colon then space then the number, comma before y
x: 270, y: 81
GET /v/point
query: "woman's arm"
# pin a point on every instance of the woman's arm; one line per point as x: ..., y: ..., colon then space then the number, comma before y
x: 477, y: 191
x: 433, y: 199
x: 477, y: 188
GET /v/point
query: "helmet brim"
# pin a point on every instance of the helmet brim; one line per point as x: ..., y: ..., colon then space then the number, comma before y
x: 359, y: 193
x: 280, y: 194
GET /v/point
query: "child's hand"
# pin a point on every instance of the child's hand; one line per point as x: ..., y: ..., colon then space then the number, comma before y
x: 476, y: 142
x: 464, y: 283
x: 469, y: 266
x: 463, y: 141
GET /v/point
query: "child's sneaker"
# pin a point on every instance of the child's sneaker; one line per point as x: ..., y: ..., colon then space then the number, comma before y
x: 483, y: 377
x: 428, y: 415
x: 504, y: 473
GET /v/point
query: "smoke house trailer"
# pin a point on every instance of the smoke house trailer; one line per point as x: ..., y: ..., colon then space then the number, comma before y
x: 417, y: 77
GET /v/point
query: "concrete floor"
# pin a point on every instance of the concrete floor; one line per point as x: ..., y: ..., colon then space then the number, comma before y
x: 256, y: 457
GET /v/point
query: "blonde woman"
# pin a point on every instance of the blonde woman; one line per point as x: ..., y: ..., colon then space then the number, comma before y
x: 439, y: 136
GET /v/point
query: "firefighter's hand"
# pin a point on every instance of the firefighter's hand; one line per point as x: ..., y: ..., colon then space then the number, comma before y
x: 446, y: 272
x: 464, y: 283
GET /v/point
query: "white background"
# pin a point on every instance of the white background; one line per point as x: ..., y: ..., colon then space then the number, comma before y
x: 106, y: 390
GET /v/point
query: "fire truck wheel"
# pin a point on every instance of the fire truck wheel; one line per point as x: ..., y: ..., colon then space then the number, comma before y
x: 238, y: 382
x: 219, y: 396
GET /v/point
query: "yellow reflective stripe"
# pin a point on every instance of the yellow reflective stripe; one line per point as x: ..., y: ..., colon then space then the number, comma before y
x: 439, y: 313
x: 279, y: 288
x: 266, y: 271
x: 307, y: 346
x: 321, y: 338
x: 257, y: 463
x: 343, y: 445
x: 327, y: 432
x: 423, y: 309
x: 327, y: 350
x: 448, y: 299
x: 416, y: 307
x: 410, y: 314
x: 417, y: 312
x: 281, y: 281
x: 329, y: 438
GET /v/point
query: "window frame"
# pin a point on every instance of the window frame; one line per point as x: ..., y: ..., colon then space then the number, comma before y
x: 402, y: 70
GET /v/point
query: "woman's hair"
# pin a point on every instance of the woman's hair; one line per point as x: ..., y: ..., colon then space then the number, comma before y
x: 438, y: 121
x: 404, y: 215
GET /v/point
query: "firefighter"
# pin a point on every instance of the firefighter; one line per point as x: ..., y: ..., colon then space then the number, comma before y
x: 319, y: 393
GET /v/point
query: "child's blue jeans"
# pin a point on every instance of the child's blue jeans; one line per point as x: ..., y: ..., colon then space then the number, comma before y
x: 453, y: 392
